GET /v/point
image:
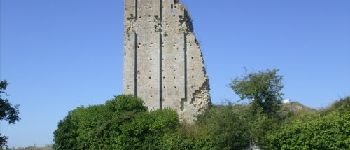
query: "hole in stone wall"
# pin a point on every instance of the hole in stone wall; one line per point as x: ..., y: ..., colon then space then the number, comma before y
x: 175, y: 58
x: 164, y: 77
x: 192, y: 57
x: 175, y: 87
x: 174, y: 77
x: 149, y: 77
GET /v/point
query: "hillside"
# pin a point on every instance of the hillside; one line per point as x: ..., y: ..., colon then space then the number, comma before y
x: 296, y: 107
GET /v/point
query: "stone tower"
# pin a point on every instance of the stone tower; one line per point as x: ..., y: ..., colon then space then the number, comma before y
x: 163, y: 63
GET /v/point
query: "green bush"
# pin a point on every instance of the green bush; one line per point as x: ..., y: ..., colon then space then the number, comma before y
x: 220, y: 128
x: 330, y: 130
x: 343, y: 105
x: 227, y: 127
x: 121, y: 123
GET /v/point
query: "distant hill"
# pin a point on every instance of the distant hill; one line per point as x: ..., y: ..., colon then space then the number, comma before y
x: 341, y: 105
x: 296, y: 106
x: 49, y: 147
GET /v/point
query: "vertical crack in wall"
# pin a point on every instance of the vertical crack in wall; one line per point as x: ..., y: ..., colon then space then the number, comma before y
x: 160, y: 56
x: 136, y: 3
x: 161, y: 10
x: 160, y: 71
x: 183, y: 100
x: 135, y: 63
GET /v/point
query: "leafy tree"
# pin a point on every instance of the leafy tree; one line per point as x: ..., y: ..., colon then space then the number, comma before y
x: 65, y: 136
x: 120, y: 123
x: 8, y: 112
x: 262, y: 89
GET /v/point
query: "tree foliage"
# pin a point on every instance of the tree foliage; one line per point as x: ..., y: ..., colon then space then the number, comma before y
x: 341, y: 106
x: 324, y: 132
x: 8, y: 112
x: 120, y: 123
x: 124, y: 123
x: 323, y: 129
x: 221, y: 128
x: 262, y: 89
x: 227, y: 127
x: 131, y: 126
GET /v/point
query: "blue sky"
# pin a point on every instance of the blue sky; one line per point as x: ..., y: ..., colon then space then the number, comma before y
x: 58, y: 55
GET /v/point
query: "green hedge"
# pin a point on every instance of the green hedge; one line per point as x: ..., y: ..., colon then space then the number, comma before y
x: 329, y: 130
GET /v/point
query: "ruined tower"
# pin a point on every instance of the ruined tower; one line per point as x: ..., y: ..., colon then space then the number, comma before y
x: 163, y: 63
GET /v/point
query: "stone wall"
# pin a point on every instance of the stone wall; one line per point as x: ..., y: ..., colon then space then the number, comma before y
x: 163, y: 63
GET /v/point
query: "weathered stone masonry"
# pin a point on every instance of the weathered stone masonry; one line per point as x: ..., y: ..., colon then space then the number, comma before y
x: 163, y: 63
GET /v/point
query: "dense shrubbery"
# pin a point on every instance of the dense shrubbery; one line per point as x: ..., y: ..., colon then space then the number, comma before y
x: 124, y: 123
x: 121, y: 123
x: 327, y: 129
x: 222, y: 127
x: 331, y: 131
x: 342, y: 106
